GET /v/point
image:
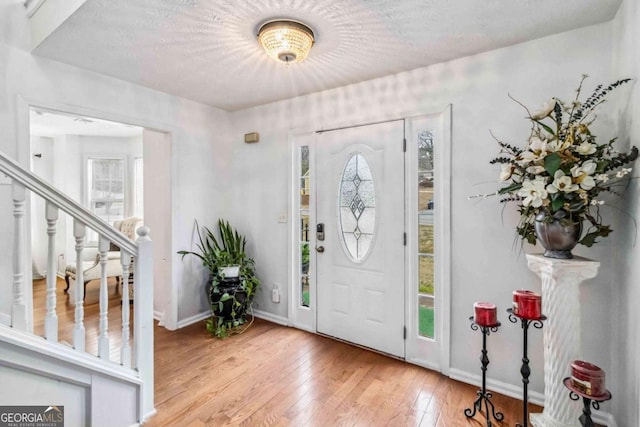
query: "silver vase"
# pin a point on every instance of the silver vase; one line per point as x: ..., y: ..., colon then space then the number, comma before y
x: 557, y: 239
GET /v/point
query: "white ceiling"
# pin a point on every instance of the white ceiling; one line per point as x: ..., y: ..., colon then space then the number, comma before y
x: 206, y: 50
x: 51, y: 124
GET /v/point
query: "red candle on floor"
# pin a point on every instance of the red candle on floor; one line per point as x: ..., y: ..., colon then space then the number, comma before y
x: 588, y: 378
x: 486, y: 313
x: 527, y: 304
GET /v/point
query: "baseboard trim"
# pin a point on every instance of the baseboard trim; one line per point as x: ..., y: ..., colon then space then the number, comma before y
x: 193, y: 319
x: 537, y: 398
x: 149, y: 415
x: 497, y: 386
x: 274, y: 318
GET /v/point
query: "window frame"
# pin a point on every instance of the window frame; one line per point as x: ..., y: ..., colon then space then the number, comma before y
x: 300, y: 316
x: 86, y: 186
x: 430, y: 353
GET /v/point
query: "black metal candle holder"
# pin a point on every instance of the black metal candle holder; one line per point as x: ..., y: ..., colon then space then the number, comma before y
x: 525, y: 371
x: 483, y: 394
x: 587, y: 401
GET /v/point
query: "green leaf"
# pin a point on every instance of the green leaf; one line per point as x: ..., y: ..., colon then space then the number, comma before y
x: 513, y: 187
x: 545, y: 127
x: 589, y: 239
x: 605, y: 230
x: 557, y: 201
x: 552, y: 163
x: 225, y: 297
x: 601, y: 166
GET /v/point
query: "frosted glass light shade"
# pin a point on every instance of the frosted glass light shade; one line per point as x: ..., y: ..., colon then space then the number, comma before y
x: 286, y: 41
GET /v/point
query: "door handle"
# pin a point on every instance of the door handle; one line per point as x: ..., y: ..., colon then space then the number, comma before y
x: 320, y: 249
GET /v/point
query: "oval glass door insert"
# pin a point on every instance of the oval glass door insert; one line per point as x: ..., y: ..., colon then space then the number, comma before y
x: 357, y: 202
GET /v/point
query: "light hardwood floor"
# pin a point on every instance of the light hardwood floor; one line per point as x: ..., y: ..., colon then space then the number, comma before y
x: 277, y: 376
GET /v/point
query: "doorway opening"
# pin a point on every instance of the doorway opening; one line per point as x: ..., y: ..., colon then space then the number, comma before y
x: 120, y: 172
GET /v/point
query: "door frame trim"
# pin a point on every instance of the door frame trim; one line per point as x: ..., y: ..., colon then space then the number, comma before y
x: 306, y: 130
x: 442, y: 247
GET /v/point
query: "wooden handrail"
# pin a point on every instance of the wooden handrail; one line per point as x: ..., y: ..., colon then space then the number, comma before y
x: 36, y: 184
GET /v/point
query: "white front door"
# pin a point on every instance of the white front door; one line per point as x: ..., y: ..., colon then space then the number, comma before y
x: 360, y: 210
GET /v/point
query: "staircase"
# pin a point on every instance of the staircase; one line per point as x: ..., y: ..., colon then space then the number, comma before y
x: 95, y: 390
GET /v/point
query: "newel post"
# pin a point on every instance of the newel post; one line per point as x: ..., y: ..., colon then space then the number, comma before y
x: 143, y: 318
x: 561, y: 304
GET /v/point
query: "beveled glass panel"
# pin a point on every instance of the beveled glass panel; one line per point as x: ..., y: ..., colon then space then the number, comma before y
x: 426, y: 275
x: 304, y: 160
x: 425, y: 234
x: 367, y: 193
x: 349, y: 222
x: 426, y: 320
x: 304, y: 258
x: 426, y: 222
x: 305, y: 229
x: 425, y: 200
x: 351, y: 243
x: 347, y: 193
x: 304, y: 291
x: 367, y: 221
x: 364, y: 172
x: 425, y: 150
x: 357, y: 201
x: 350, y: 169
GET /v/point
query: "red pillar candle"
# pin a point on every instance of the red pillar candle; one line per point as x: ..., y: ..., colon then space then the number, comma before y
x: 588, y: 378
x: 486, y: 314
x: 527, y: 304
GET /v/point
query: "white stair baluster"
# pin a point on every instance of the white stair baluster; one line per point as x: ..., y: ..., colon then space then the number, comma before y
x: 79, y: 231
x: 103, y: 340
x: 143, y: 317
x: 18, y: 307
x: 51, y: 318
x: 125, y: 350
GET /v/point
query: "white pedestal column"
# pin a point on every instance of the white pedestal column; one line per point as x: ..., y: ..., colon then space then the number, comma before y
x: 561, y: 304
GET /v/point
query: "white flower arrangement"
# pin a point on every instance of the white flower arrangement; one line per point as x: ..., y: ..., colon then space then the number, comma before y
x: 563, y: 168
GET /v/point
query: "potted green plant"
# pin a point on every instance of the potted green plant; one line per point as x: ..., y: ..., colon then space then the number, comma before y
x: 232, y: 281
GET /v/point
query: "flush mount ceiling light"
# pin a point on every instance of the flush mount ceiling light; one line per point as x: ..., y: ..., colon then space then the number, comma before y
x: 286, y: 40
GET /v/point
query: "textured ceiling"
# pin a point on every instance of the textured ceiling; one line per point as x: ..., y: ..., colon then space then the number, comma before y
x: 206, y: 50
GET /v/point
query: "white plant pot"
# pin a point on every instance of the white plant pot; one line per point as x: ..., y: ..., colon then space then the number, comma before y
x: 230, y: 271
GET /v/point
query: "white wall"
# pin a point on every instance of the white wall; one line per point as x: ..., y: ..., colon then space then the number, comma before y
x: 482, y: 236
x: 197, y: 133
x: 624, y: 378
x: 43, y: 167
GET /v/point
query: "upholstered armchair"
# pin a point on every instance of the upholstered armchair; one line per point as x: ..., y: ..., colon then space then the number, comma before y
x: 91, y: 269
